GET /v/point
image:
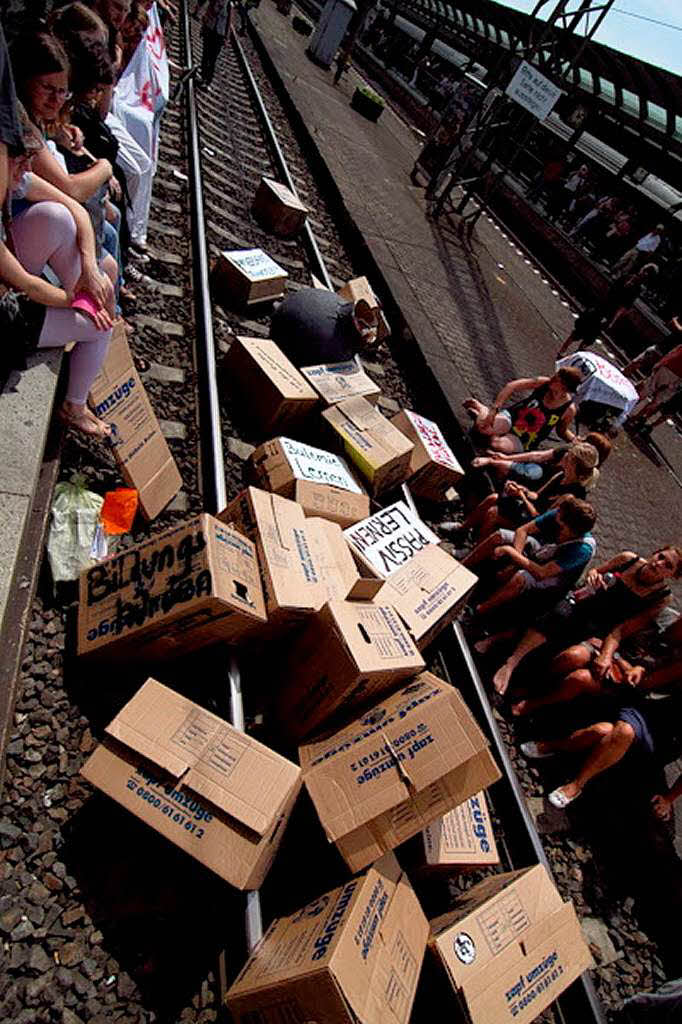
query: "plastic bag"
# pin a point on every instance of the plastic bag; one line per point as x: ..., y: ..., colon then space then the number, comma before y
x: 75, y: 516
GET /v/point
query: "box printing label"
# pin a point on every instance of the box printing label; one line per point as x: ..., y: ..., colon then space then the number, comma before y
x: 388, y: 539
x: 317, y: 465
x: 255, y: 263
x: 502, y: 921
x: 432, y: 438
x: 336, y: 381
x: 463, y: 835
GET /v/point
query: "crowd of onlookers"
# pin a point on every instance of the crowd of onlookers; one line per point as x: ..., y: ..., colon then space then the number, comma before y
x: 583, y: 667
x: 81, y: 96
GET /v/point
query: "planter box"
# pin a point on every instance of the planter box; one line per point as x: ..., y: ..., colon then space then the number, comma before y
x: 365, y: 105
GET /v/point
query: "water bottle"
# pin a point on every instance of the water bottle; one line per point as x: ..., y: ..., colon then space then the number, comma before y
x: 589, y: 590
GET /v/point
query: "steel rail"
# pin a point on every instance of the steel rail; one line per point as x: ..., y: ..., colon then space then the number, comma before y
x: 211, y: 444
x: 308, y: 238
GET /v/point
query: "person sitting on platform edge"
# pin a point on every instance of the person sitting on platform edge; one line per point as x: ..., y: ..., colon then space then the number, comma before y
x: 650, y: 727
x: 625, y: 595
x: 529, y: 420
x: 314, y: 325
x: 548, y: 554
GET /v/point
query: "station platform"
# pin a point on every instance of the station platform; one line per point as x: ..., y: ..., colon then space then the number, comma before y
x: 479, y: 316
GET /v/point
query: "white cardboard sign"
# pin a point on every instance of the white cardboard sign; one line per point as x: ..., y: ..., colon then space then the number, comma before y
x: 432, y: 438
x: 308, y: 463
x: 389, y: 538
x: 533, y: 91
x: 255, y: 263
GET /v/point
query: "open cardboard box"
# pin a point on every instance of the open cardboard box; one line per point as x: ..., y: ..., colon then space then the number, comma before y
x: 196, y: 584
x: 318, y: 480
x: 510, y: 946
x: 463, y: 838
x: 353, y: 956
x: 399, y: 766
x: 347, y: 653
x: 268, y: 387
x: 378, y: 449
x: 428, y: 592
x: 434, y: 467
x: 141, y: 451
x: 216, y: 793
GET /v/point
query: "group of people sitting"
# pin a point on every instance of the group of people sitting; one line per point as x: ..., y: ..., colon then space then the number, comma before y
x: 581, y: 661
x: 80, y: 101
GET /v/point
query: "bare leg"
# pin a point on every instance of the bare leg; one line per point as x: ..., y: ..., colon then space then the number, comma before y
x: 505, y: 442
x: 472, y: 521
x: 491, y: 522
x: 511, y: 589
x: 573, y: 685
x: 578, y: 741
x: 483, y: 646
x: 575, y: 657
x: 565, y: 345
x: 530, y: 641
x: 483, y: 550
x: 610, y: 749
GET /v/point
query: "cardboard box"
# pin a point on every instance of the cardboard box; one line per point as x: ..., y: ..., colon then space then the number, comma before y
x: 118, y: 397
x: 510, y: 947
x: 428, y: 592
x: 434, y: 468
x: 335, y: 564
x: 353, y: 956
x: 378, y: 449
x: 266, y: 385
x: 319, y: 481
x: 388, y: 539
x: 336, y: 381
x: 360, y: 288
x: 277, y: 209
x: 347, y: 654
x: 216, y: 793
x: 463, y: 838
x: 292, y: 582
x: 247, y: 276
x: 401, y: 765
x: 191, y: 586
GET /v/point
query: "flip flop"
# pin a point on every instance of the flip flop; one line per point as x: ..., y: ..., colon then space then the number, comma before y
x: 531, y: 750
x: 558, y: 798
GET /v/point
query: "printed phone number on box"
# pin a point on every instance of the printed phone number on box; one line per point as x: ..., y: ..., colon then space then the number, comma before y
x: 183, y: 818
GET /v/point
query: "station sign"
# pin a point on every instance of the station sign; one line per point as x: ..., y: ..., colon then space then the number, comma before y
x: 533, y: 91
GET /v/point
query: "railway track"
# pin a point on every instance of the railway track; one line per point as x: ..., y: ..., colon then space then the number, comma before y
x: 114, y: 924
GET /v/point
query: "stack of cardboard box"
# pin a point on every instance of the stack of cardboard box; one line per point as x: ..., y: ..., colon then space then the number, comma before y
x: 344, y: 601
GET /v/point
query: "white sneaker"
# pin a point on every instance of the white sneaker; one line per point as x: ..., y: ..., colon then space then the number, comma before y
x: 531, y: 750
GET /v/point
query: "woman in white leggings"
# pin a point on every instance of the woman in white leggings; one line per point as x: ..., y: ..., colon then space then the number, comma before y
x: 54, y: 230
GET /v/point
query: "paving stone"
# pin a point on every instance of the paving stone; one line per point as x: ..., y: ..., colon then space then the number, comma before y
x: 173, y: 430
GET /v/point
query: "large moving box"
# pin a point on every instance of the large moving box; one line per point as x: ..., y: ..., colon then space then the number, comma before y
x: 398, y: 767
x: 142, y: 454
x: 428, y: 592
x: 378, y: 449
x: 433, y: 465
x: 510, y: 946
x: 389, y: 538
x: 353, y: 956
x: 277, y: 209
x: 193, y: 585
x: 268, y: 387
x: 346, y: 654
x: 291, y: 582
x: 462, y: 838
x: 319, y: 481
x: 216, y: 793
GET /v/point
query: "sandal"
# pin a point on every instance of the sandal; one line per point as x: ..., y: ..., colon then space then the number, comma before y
x: 85, y: 422
x: 558, y: 798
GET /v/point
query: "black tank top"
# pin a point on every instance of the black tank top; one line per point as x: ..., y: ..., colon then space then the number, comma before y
x: 532, y: 421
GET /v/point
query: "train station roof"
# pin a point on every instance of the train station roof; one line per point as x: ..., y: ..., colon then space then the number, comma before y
x: 637, y: 106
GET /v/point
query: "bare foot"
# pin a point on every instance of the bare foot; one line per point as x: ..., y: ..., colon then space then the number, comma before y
x: 502, y: 677
x: 483, y: 646
x: 79, y: 417
x: 519, y: 708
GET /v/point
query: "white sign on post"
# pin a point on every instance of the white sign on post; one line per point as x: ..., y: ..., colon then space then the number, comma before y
x: 533, y: 91
x: 389, y: 538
